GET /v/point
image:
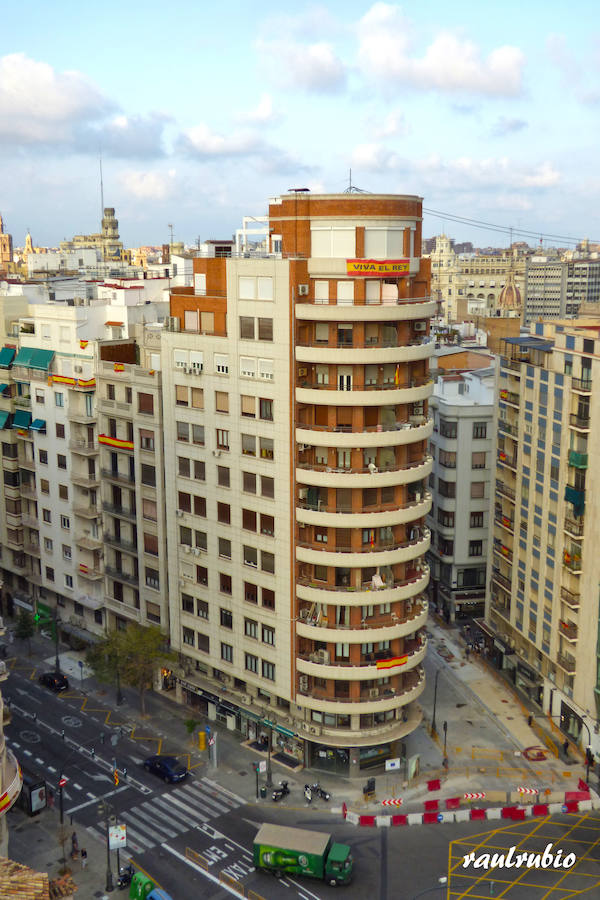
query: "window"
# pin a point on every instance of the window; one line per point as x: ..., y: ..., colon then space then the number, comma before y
x: 184, y: 501
x: 250, y: 592
x: 266, y: 409
x: 222, y: 439
x: 200, y: 539
x: 63, y: 492
x: 251, y: 628
x: 221, y: 402
x: 183, y: 431
x: 59, y: 399
x: 475, y: 548
x: 251, y: 663
x: 266, y: 448
x: 49, y: 573
x: 268, y: 598
x: 268, y: 670
x: 202, y: 575
x: 198, y: 435
x: 478, y: 460
x: 152, y: 578
x: 249, y: 519
x: 69, y: 584
x: 188, y: 636
x: 203, y: 642
x: 265, y: 369
x: 447, y: 459
x: 248, y: 406
x: 267, y: 525
x: 202, y: 609
x: 199, y: 470
x: 146, y: 439
x: 476, y: 520
x: 247, y: 328
x: 61, y: 461
x: 265, y: 329
x: 148, y: 475
x: 183, y: 466
x: 445, y: 518
x: 187, y: 603
x: 40, y: 397
x: 65, y: 522
x: 182, y: 395
x: 197, y: 398
x: 60, y: 430
x: 66, y: 551
x: 128, y: 395
x: 265, y: 287
x: 447, y: 488
x: 225, y: 585
x: 249, y: 482
x: 146, y: 404
x: 479, y: 430
x: 247, y: 367
x: 221, y: 364
x: 448, y: 429
x: 268, y: 635
x: 48, y: 544
x: 477, y: 490
x: 227, y: 652
x: 250, y: 556
x: 110, y: 392
x: 149, y: 510
x: 267, y: 561
x: 226, y: 618
x: 151, y: 544
x: 190, y: 319
x: 267, y: 486
x: 43, y: 456
x: 224, y: 548
x: 223, y: 476
x: 200, y: 506
x: 248, y: 445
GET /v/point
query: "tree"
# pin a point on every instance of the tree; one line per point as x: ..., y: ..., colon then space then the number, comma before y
x: 25, y: 628
x: 130, y: 657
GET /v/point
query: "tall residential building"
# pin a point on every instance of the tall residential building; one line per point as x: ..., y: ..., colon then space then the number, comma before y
x: 462, y: 446
x: 11, y: 777
x: 296, y: 391
x: 543, y: 614
x: 558, y: 288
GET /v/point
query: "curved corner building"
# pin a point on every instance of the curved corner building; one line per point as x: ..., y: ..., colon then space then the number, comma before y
x: 362, y: 308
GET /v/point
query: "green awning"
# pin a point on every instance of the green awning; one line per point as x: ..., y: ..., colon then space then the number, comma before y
x: 38, y: 425
x: 3, y: 419
x: 33, y: 358
x: 22, y: 419
x: 7, y: 354
x: 3, y: 388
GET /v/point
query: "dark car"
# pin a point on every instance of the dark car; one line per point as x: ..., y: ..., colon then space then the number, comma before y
x: 167, y: 767
x: 56, y: 681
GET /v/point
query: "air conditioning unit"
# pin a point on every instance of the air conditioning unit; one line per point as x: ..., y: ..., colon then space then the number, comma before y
x: 302, y: 290
x: 373, y: 692
x: 322, y: 656
x: 420, y: 326
x: 172, y: 323
x: 303, y: 681
x: 179, y: 513
x: 187, y: 549
x: 246, y: 698
x: 78, y: 369
x: 302, y: 493
x: 196, y: 551
x: 197, y: 369
x: 187, y: 370
x: 216, y: 453
x: 314, y: 729
x: 305, y: 726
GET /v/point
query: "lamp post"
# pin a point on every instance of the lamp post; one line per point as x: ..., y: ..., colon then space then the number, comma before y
x: 445, y: 727
x: 269, y: 773
x: 106, y: 810
x: 56, y: 622
x: 433, y: 728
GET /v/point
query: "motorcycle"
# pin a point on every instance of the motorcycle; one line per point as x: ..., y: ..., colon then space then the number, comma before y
x: 308, y: 793
x: 126, y: 873
x: 281, y: 792
x: 321, y: 792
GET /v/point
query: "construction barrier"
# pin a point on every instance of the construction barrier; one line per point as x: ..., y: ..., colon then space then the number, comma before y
x: 477, y: 814
x: 400, y: 820
x: 431, y: 805
x: 224, y: 878
x: 197, y: 858
x: 434, y: 785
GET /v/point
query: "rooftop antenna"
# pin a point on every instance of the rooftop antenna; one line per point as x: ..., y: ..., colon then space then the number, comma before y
x: 101, y: 192
x: 170, y: 227
x: 352, y: 188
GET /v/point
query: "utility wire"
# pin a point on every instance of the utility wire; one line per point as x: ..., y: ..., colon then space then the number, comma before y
x: 506, y: 229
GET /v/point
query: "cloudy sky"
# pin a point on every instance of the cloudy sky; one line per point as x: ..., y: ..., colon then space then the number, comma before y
x: 203, y: 110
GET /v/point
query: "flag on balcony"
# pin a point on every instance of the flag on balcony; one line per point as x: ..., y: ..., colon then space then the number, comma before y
x: 83, y: 344
x: 397, y: 376
x: 119, y: 367
x: 392, y: 663
x: 504, y: 395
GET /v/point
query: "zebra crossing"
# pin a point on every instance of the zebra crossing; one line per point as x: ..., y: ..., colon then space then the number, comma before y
x: 167, y: 815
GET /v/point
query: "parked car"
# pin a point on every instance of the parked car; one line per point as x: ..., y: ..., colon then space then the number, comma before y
x: 167, y: 767
x: 56, y: 681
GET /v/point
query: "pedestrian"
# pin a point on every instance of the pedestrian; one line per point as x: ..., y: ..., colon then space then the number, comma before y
x: 566, y: 748
x: 74, y: 845
x: 50, y: 800
x: 83, y: 857
x: 467, y: 650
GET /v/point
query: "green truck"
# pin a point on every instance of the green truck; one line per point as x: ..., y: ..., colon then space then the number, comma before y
x: 297, y: 851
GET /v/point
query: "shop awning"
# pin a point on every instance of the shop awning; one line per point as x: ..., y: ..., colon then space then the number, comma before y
x: 3, y: 388
x: 7, y: 354
x: 33, y: 358
x: 3, y: 419
x: 38, y: 425
x: 22, y: 419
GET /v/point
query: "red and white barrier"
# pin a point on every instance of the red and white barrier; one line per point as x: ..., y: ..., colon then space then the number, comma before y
x: 474, y: 795
x: 392, y: 802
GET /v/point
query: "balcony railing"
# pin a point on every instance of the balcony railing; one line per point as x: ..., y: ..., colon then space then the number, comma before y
x: 380, y: 386
x: 375, y: 547
x: 568, y: 630
x: 583, y: 386
x: 572, y: 561
x: 572, y: 600
x: 119, y: 510
x: 503, y: 550
x: 578, y: 460
x: 124, y: 477
x: 513, y: 364
x: 578, y: 421
x: 574, y: 527
x: 503, y: 489
x: 576, y: 496
x: 375, y: 343
x: 566, y: 662
x: 321, y: 506
x: 506, y: 427
x: 505, y: 522
x: 120, y: 575
x: 501, y: 579
x: 398, y: 425
x: 84, y: 446
x: 510, y: 397
x: 505, y: 460
x: 365, y: 470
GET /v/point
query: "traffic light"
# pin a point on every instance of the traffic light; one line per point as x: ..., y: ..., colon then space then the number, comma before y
x: 116, y: 778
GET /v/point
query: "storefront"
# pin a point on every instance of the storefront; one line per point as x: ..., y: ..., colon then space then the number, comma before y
x: 529, y: 682
x: 502, y: 656
x: 570, y: 722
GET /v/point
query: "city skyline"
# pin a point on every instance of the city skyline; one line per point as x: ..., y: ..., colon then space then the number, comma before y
x: 197, y: 125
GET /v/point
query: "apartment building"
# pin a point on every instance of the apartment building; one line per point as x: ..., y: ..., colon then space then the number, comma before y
x: 295, y: 385
x: 543, y: 612
x: 558, y: 288
x: 11, y: 777
x: 462, y: 447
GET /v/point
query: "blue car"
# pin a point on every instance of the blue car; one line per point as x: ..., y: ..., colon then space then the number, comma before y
x: 167, y: 767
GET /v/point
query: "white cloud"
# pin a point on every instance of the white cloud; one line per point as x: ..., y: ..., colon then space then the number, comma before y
x: 374, y: 157
x: 262, y: 114
x: 507, y: 125
x: 200, y: 141
x: 145, y: 185
x: 450, y: 63
x: 310, y: 67
x: 394, y: 125
x: 40, y: 105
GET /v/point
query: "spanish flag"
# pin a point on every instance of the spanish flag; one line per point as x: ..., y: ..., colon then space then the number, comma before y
x: 397, y: 376
x: 392, y: 663
x: 504, y: 395
x: 83, y: 344
x: 119, y: 367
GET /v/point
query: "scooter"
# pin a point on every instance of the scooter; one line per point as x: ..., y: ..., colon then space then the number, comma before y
x: 281, y: 792
x: 308, y: 793
x: 321, y: 792
x: 126, y: 873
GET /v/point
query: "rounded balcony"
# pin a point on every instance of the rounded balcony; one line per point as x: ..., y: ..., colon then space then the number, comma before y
x: 316, y: 592
x: 12, y: 782
x: 423, y: 308
x: 376, y: 353
x: 333, y: 517
x: 367, y: 395
x: 377, y: 555
x: 306, y: 664
x: 325, y: 476
x: 396, y: 435
x: 382, y: 703
x: 395, y: 627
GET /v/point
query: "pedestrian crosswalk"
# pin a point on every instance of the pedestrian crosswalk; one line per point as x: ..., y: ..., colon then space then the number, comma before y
x: 167, y: 815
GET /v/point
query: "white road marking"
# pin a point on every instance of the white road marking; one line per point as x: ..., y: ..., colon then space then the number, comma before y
x: 218, y: 787
x: 200, y: 870
x: 192, y: 813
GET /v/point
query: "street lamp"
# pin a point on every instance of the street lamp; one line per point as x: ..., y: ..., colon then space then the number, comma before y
x: 445, y: 727
x: 56, y: 622
x: 269, y: 774
x: 106, y: 810
x: 433, y: 728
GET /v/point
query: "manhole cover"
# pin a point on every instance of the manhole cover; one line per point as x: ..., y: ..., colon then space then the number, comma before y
x: 242, y: 773
x: 30, y: 737
x: 73, y: 721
